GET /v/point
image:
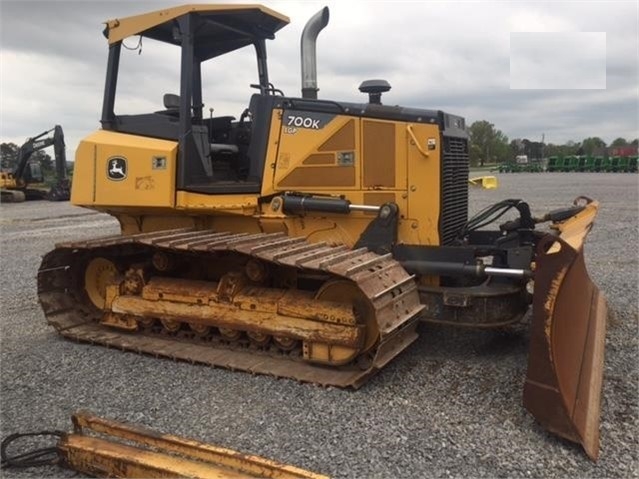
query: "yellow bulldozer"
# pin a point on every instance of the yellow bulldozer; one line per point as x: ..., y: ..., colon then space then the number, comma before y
x: 306, y: 238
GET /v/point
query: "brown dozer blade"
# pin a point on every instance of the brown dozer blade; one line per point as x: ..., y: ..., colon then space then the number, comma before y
x: 565, y: 362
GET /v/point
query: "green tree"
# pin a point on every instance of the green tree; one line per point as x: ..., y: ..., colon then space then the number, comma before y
x: 8, y: 155
x: 617, y: 142
x: 568, y: 148
x: 571, y: 148
x: 501, y: 150
x: 487, y: 144
x: 635, y: 142
x: 552, y: 149
x: 590, y: 145
x: 516, y: 147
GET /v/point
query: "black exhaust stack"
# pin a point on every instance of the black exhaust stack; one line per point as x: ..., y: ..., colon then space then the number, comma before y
x: 308, y: 53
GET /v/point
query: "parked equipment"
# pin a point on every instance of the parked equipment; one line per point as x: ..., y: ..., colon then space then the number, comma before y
x: 308, y: 238
x: 532, y: 167
x: 555, y: 163
x: 26, y: 182
x: 104, y: 448
x: 486, y: 182
x: 574, y: 163
x: 509, y: 167
x: 589, y: 164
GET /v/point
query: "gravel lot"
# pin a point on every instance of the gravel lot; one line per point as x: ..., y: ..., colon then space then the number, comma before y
x: 450, y: 406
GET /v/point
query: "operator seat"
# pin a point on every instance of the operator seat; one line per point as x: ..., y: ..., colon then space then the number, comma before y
x: 171, y: 105
x: 220, y: 134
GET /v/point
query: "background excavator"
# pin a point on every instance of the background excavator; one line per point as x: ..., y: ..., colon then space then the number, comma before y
x: 26, y: 182
x: 308, y: 238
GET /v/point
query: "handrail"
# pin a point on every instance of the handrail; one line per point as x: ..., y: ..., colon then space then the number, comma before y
x: 409, y: 129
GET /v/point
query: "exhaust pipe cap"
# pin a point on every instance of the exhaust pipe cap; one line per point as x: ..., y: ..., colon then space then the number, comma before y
x: 374, y: 88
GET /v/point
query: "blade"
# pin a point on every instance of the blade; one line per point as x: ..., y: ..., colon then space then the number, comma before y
x: 105, y: 448
x: 486, y: 182
x: 565, y: 361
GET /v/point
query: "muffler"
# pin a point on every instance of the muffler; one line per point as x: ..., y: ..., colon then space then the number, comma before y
x: 308, y: 52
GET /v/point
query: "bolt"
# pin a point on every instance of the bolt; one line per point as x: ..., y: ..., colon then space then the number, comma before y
x: 276, y: 204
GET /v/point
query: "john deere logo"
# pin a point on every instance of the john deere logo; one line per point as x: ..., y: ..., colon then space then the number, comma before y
x: 116, y: 168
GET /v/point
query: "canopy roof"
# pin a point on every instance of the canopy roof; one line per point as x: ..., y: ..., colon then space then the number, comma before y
x: 220, y: 28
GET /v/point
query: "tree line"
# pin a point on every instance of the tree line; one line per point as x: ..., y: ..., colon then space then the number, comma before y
x: 490, y: 145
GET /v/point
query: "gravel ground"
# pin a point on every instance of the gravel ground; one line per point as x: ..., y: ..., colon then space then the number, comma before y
x: 449, y: 406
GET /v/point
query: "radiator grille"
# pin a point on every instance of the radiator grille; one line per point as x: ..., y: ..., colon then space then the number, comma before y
x: 454, y: 188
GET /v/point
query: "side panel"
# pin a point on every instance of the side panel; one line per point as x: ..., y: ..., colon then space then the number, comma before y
x: 368, y: 161
x: 424, y: 151
x: 124, y: 170
x: 317, y: 152
x: 323, y: 153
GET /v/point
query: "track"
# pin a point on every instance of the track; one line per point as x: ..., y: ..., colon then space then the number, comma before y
x: 389, y: 289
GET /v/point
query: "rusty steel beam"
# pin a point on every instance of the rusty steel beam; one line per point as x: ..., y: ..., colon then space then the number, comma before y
x: 106, y: 448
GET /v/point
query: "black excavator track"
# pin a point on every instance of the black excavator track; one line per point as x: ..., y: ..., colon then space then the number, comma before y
x: 392, y: 292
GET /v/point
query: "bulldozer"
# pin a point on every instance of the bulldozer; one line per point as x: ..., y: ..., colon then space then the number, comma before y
x: 307, y: 238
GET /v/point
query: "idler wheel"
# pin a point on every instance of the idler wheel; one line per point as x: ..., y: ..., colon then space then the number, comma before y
x: 99, y: 273
x: 343, y: 291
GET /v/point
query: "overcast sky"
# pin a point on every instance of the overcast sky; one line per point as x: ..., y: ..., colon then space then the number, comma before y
x: 454, y: 56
